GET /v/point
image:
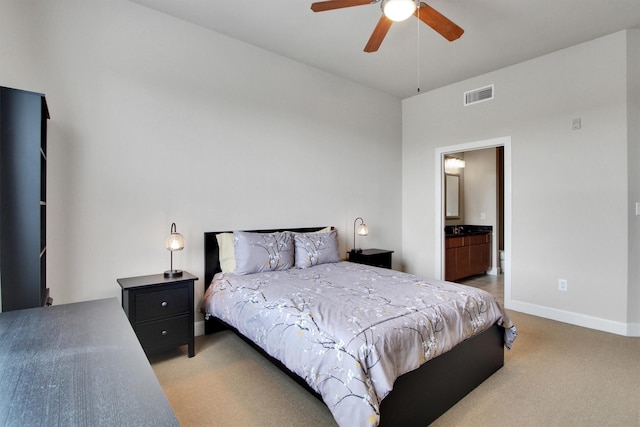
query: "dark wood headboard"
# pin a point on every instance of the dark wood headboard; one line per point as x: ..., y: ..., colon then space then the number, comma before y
x: 212, y: 255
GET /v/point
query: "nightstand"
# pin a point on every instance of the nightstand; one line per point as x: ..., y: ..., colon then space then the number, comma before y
x: 160, y: 310
x: 374, y: 257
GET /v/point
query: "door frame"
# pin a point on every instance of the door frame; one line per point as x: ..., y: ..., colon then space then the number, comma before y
x: 504, y: 142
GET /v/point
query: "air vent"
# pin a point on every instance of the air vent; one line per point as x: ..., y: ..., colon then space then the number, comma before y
x: 478, y: 95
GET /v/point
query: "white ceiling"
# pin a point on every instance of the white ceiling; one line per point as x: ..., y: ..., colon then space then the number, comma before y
x: 498, y: 33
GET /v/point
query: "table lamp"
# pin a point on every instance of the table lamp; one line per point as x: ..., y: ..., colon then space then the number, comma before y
x: 175, y: 242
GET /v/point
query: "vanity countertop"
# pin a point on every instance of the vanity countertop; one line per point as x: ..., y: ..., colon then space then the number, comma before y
x: 466, y: 230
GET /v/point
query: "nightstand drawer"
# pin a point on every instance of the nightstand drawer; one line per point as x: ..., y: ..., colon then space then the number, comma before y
x: 160, y: 304
x: 163, y: 333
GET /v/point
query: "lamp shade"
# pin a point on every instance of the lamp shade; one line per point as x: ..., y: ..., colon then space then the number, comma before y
x: 398, y: 10
x: 175, y: 242
x: 363, y: 230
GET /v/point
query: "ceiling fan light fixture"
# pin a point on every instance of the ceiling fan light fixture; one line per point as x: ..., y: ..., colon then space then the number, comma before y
x: 398, y: 10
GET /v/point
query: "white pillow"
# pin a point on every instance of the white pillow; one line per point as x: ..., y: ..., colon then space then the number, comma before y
x: 226, y: 252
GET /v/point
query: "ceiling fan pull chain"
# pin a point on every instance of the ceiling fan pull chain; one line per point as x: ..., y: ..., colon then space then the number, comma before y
x: 418, y: 27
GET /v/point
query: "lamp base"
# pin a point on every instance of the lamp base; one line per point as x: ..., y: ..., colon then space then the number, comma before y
x: 169, y: 274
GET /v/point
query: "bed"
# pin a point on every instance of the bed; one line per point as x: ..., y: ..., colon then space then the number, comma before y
x: 365, y: 384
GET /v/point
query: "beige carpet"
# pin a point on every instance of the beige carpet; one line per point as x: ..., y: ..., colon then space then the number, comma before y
x: 556, y: 375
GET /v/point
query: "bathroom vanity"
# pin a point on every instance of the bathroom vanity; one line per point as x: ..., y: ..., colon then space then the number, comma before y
x: 467, y: 251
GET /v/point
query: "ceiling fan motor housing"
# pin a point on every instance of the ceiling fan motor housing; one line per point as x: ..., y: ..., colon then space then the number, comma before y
x: 398, y: 10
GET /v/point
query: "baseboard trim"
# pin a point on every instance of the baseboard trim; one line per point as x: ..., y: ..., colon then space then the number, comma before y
x: 198, y: 328
x: 591, y: 322
x: 634, y: 330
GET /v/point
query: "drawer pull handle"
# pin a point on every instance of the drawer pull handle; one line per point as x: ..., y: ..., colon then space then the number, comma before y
x: 164, y: 303
x: 164, y: 332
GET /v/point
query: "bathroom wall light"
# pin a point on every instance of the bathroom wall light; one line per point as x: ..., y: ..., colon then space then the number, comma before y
x: 453, y: 163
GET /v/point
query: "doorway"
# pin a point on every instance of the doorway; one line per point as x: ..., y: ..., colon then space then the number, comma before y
x: 502, y: 230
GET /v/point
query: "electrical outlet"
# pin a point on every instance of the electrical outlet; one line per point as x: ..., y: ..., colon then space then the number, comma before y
x: 562, y: 285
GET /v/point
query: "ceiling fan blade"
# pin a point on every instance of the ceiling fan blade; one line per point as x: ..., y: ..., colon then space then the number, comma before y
x: 338, y: 4
x: 378, y: 34
x: 440, y: 23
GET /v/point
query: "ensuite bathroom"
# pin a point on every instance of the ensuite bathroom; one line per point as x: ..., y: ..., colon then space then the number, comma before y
x: 473, y: 186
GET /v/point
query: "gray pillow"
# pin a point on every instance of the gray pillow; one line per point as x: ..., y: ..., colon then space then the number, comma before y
x: 316, y: 248
x: 256, y: 252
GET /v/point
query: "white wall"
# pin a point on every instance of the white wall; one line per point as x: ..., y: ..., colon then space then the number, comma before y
x: 570, y: 206
x: 155, y: 121
x: 480, y: 194
x: 633, y: 105
x: 480, y: 187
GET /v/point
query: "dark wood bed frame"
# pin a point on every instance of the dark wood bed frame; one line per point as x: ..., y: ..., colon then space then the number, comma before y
x: 418, y: 397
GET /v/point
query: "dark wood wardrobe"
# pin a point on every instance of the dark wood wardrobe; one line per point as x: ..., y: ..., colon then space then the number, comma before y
x: 23, y: 199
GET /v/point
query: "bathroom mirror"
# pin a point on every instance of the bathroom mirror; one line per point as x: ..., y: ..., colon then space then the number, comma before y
x: 452, y: 196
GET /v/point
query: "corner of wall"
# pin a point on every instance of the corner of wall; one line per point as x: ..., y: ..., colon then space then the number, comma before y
x: 633, y: 160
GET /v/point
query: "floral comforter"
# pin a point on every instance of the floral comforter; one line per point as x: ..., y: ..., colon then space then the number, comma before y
x: 350, y: 330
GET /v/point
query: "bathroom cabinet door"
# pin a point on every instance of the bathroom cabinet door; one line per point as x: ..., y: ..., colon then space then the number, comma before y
x: 467, y: 256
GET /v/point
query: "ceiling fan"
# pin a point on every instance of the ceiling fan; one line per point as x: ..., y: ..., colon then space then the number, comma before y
x: 396, y: 10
